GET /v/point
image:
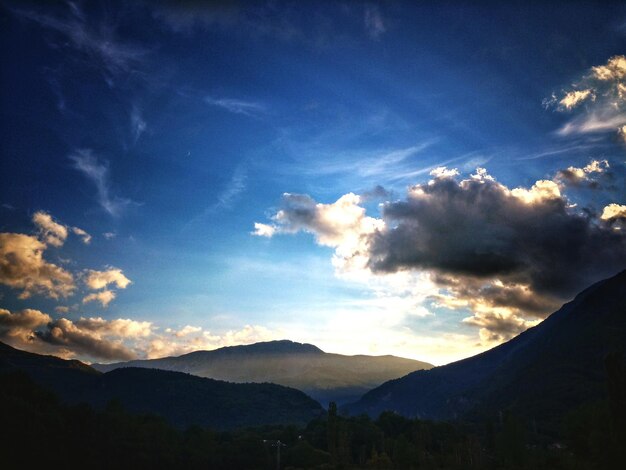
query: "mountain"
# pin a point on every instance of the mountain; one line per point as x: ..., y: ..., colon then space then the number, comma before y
x: 325, y: 377
x: 180, y: 398
x: 541, y: 374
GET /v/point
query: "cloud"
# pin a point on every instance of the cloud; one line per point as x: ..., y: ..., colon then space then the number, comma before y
x: 109, y: 235
x: 61, y: 309
x: 236, y: 106
x: 342, y: 225
x: 574, y: 98
x: 191, y: 338
x: 576, y: 176
x: 54, y: 233
x: 83, y: 339
x: 104, y: 297
x: 264, y: 230
x: 186, y: 330
x: 374, y: 23
x: 88, y: 338
x: 496, y: 327
x: 614, y: 212
x: 121, y: 327
x: 479, y: 228
x: 98, y: 172
x: 22, y: 266
x: 99, y: 43
x: 120, y: 339
x: 50, y: 232
x: 508, y: 255
x: 598, y: 98
x: 137, y: 123
x: 84, y: 236
x: 236, y: 185
x: 101, y: 279
x: 18, y: 327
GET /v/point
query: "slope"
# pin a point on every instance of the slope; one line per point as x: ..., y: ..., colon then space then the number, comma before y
x: 325, y: 377
x: 541, y: 374
x: 180, y: 398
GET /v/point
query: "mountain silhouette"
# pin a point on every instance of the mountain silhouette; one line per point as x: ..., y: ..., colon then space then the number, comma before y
x: 325, y: 377
x: 541, y: 374
x: 180, y: 398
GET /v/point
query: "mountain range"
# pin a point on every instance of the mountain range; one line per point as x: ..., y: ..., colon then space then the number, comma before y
x: 180, y: 398
x: 324, y: 376
x: 541, y: 374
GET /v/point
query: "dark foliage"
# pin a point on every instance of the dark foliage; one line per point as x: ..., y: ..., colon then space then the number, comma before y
x: 180, y: 398
x: 40, y: 431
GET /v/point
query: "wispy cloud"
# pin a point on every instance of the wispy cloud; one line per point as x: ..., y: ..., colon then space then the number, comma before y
x: 98, y: 172
x: 237, y: 106
x: 235, y: 186
x: 99, y: 43
x: 598, y: 99
x: 138, y: 124
x: 374, y: 23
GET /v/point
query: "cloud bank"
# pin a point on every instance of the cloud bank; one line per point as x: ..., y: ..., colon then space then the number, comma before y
x: 121, y: 339
x: 508, y: 255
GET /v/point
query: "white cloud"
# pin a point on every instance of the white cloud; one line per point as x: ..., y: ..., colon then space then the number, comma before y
x: 98, y: 172
x: 191, y: 338
x: 237, y: 106
x: 22, y: 266
x: 599, y: 99
x: 574, y: 98
x: 98, y: 44
x: 615, y: 69
x: 84, y: 236
x: 263, y: 230
x: 374, y: 23
x: 104, y: 297
x: 50, y: 232
x: 100, y: 279
x: 137, y: 123
x: 613, y: 211
x: 444, y: 172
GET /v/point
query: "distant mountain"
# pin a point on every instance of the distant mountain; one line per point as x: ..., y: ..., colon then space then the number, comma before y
x: 325, y: 377
x: 182, y: 399
x: 541, y: 374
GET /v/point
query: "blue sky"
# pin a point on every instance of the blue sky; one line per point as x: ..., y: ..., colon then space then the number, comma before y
x: 166, y: 132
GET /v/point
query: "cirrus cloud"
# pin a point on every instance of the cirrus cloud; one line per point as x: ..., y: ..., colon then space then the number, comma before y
x: 598, y: 100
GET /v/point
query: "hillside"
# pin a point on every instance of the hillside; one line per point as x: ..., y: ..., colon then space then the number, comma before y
x: 325, y: 377
x: 541, y: 374
x: 180, y: 398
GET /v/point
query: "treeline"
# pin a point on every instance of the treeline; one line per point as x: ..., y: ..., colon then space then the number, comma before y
x: 39, y: 430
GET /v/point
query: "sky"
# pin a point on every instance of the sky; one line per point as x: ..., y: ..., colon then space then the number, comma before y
x: 376, y: 178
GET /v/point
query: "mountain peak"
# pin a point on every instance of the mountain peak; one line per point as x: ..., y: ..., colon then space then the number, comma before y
x: 283, y: 346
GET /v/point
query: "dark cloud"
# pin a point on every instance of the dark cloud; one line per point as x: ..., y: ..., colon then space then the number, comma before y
x: 84, y: 341
x: 496, y: 327
x: 377, y: 192
x: 480, y: 229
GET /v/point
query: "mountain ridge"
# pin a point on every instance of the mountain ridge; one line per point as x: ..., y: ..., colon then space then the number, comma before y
x: 324, y: 376
x: 544, y: 371
x: 182, y: 399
